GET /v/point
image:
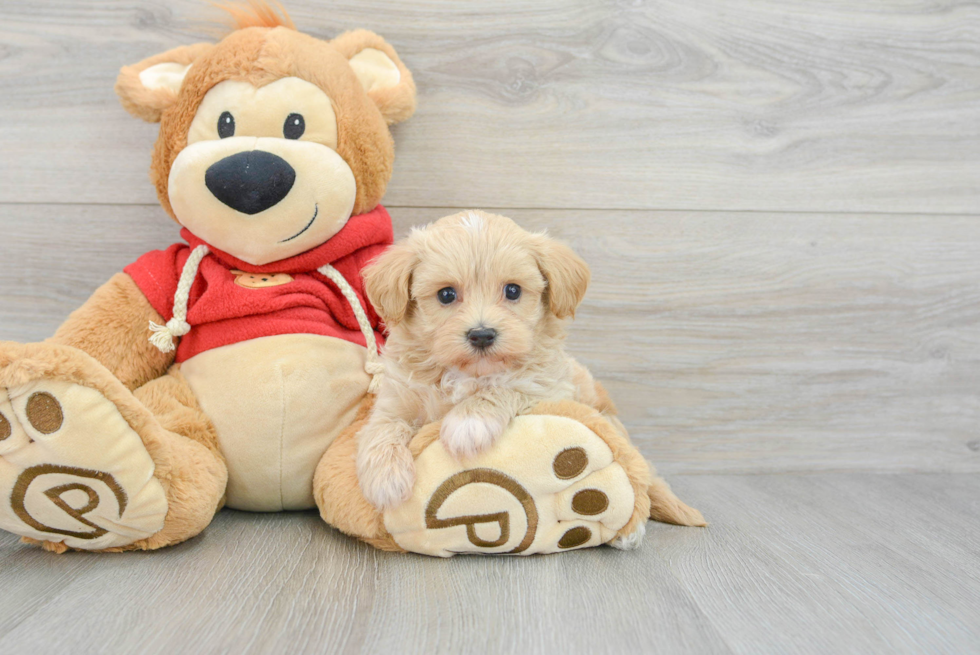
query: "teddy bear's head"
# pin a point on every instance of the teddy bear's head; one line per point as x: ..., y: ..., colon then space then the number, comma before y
x: 270, y: 139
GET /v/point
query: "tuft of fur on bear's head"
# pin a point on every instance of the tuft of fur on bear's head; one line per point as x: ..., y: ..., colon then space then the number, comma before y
x: 270, y: 128
x: 257, y: 14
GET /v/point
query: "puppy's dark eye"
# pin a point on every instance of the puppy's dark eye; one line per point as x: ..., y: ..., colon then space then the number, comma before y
x: 226, y: 125
x: 446, y: 295
x: 512, y: 292
x: 294, y: 126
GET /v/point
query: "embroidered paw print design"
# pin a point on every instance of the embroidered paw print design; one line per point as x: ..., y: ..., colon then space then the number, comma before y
x: 72, y: 470
x: 549, y: 484
x: 260, y: 280
x: 500, y: 519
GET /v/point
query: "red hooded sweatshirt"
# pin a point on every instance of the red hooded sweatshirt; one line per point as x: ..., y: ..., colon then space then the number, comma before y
x: 231, y: 302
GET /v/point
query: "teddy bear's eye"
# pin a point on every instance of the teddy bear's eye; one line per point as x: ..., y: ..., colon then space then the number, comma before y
x: 446, y: 295
x: 512, y: 292
x: 226, y: 125
x: 294, y: 126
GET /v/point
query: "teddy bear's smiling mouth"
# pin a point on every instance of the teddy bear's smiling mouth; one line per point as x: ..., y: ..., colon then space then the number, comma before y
x: 316, y: 210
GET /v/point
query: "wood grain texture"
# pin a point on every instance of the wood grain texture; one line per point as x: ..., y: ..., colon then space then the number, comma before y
x: 664, y: 104
x: 731, y: 342
x: 833, y: 356
x: 835, y: 563
x: 791, y: 563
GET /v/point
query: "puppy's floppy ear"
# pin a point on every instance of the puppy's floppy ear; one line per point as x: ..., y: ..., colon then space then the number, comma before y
x: 388, y: 280
x: 567, y: 274
x: 387, y: 81
x: 147, y: 88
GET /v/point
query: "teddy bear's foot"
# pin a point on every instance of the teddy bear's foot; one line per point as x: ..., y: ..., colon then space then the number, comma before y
x: 549, y: 484
x: 72, y: 469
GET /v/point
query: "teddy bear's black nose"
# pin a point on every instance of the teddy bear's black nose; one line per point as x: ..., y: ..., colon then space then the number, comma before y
x: 250, y: 181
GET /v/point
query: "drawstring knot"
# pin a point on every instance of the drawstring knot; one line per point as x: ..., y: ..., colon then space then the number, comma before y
x: 163, y: 335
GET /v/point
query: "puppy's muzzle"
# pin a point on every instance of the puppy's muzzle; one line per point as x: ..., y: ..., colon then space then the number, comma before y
x: 481, y: 338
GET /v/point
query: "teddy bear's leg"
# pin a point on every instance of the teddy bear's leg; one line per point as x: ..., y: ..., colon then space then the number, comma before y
x: 85, y: 464
x: 338, y: 494
x: 565, y: 477
x: 561, y: 478
x: 557, y: 479
x: 189, y: 463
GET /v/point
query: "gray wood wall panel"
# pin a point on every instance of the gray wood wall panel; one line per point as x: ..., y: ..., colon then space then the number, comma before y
x: 723, y: 104
x: 738, y: 342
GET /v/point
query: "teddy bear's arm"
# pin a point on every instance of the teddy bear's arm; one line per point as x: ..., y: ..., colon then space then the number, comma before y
x: 113, y: 327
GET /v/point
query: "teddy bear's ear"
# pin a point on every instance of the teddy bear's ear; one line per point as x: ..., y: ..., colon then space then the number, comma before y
x: 147, y: 88
x: 382, y: 74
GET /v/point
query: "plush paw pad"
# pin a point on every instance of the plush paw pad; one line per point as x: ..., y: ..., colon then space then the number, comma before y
x: 549, y: 484
x: 72, y: 470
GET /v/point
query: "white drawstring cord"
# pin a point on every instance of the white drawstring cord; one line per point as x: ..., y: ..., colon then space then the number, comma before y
x: 373, y: 365
x: 163, y: 335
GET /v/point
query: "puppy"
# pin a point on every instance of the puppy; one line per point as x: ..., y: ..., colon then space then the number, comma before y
x: 474, y: 306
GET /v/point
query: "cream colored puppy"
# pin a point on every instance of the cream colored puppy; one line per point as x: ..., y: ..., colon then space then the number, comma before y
x: 474, y: 307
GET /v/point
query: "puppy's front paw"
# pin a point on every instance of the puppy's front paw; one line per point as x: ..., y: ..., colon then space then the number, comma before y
x: 467, y: 436
x: 386, y: 473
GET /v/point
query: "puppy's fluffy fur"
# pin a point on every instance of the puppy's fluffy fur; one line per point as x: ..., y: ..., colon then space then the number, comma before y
x: 433, y: 372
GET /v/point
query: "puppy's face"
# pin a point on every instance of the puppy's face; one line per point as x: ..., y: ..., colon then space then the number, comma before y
x: 478, y: 301
x: 475, y: 291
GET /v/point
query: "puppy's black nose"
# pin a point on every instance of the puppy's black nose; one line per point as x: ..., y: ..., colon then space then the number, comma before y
x: 250, y: 181
x: 481, y: 338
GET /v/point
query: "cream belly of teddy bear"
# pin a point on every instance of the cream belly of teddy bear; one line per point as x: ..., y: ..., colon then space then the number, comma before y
x: 277, y: 403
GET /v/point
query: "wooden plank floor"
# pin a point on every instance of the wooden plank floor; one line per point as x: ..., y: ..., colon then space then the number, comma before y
x: 779, y: 200
x: 819, y: 563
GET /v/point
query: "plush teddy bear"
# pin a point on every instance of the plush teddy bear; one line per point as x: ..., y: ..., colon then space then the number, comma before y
x: 221, y: 371
x: 217, y: 371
